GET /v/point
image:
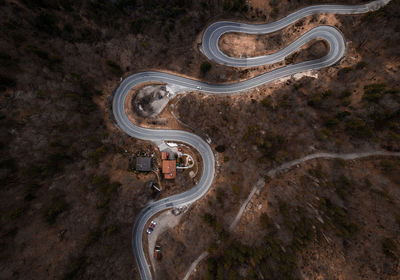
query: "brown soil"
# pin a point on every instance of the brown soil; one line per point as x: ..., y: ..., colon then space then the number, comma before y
x: 64, y: 215
x: 290, y: 110
x: 332, y: 254
x: 247, y: 45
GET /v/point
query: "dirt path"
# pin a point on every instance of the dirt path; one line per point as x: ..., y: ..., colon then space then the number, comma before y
x: 260, y: 183
x: 351, y: 156
x: 194, y: 264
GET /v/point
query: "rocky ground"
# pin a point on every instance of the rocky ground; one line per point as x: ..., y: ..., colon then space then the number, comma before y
x: 149, y: 101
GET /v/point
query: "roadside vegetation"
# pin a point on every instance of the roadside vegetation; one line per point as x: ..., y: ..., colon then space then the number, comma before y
x: 321, y: 209
x: 60, y: 61
x: 292, y: 228
x: 61, y: 158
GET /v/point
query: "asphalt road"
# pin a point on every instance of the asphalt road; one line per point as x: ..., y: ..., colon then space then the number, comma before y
x: 216, y: 30
x: 210, y: 48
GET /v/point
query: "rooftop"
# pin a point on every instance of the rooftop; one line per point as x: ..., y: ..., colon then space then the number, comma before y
x: 143, y: 163
x: 169, y: 169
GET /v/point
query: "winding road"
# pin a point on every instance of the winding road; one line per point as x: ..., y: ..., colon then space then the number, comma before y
x: 210, y: 48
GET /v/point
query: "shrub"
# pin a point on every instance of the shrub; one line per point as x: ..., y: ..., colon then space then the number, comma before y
x: 30, y: 191
x: 384, y: 194
x: 40, y: 53
x: 235, y: 5
x: 47, y: 22
x: 373, y: 92
x: 358, y: 127
x: 137, y: 25
x: 113, y: 187
x: 58, y: 205
x: 392, y: 91
x: 270, y: 145
x: 210, y: 219
x: 303, y: 233
x: 220, y: 148
x: 235, y: 189
x: 52, y: 60
x: 251, y: 130
x: 361, y: 65
x: 16, y: 213
x: 99, y: 180
x: 340, y: 162
x: 110, y: 231
x: 33, y: 170
x: 372, y: 16
x: 77, y: 266
x: 266, y: 221
x: 214, y: 128
x: 166, y: 33
x: 5, y: 59
x: 338, y: 217
x: 266, y: 102
x: 66, y: 5
x: 187, y: 19
x: 93, y: 237
x: 55, y: 163
x: 211, y: 268
x: 342, y: 115
x: 346, y: 93
x: 317, y: 172
x: 343, y: 186
x: 10, y: 164
x: 315, y: 100
x: 346, y: 70
x: 97, y: 154
x: 18, y: 38
x: 114, y: 68
x: 10, y: 232
x: 284, y: 208
x: 222, y: 233
x: 220, y: 195
x: 398, y: 219
x: 212, y: 249
x: 6, y: 82
x: 103, y: 203
x: 390, y: 249
x: 87, y: 34
x: 205, y: 67
x: 389, y: 166
x: 331, y: 122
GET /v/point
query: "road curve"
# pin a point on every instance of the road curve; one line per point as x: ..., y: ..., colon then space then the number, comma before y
x: 214, y: 32
x: 210, y: 47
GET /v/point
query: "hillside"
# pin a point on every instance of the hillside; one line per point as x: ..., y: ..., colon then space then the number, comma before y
x: 69, y: 197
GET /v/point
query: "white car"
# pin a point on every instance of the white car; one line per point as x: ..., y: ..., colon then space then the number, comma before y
x: 198, y: 87
x: 151, y: 227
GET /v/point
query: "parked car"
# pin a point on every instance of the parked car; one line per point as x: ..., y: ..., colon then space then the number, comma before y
x: 151, y: 227
x: 157, y: 252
